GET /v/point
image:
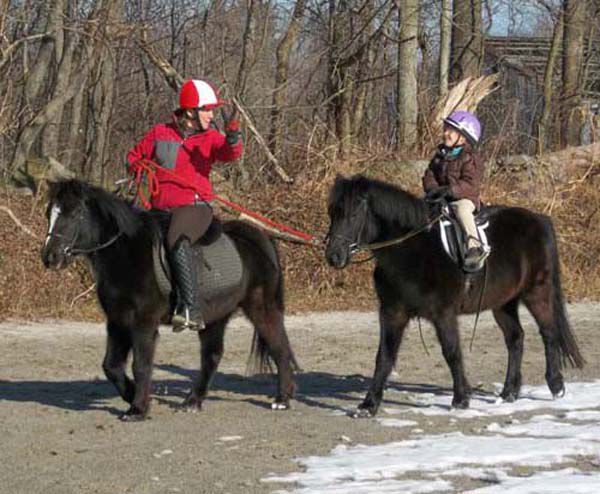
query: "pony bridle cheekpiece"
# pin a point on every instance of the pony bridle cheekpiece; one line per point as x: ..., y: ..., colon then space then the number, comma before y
x: 358, y: 246
x: 69, y: 250
x: 354, y: 245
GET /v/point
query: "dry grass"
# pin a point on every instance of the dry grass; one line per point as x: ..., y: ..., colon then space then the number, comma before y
x: 27, y: 290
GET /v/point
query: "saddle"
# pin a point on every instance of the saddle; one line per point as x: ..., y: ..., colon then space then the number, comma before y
x: 220, y: 270
x: 453, y: 236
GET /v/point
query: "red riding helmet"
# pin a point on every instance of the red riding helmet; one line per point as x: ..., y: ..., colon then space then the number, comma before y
x: 199, y: 94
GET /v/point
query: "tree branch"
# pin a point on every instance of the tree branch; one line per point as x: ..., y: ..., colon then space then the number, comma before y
x: 18, y: 222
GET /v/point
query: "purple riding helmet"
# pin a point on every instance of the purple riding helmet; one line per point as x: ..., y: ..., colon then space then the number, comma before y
x: 466, y: 123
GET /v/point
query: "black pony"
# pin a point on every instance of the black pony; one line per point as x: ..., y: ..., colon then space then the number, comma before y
x: 118, y: 239
x: 415, y: 278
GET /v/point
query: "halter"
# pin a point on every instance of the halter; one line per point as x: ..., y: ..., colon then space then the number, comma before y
x: 357, y: 246
x: 70, y: 250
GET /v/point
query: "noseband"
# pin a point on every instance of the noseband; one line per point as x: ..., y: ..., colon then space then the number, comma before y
x: 70, y: 250
x: 357, y: 246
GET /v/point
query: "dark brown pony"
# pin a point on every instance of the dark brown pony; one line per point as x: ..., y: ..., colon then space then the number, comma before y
x: 117, y: 239
x: 415, y: 278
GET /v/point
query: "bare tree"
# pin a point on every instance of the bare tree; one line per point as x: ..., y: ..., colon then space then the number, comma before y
x: 284, y: 48
x: 575, y: 12
x: 45, y: 110
x: 406, y: 100
x: 445, y: 44
x: 551, y: 63
x: 102, y: 94
x: 467, y: 48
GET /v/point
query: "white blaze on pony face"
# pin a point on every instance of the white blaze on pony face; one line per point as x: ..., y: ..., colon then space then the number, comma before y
x: 54, y: 214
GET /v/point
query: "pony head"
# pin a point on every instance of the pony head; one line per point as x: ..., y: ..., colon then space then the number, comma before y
x: 80, y: 218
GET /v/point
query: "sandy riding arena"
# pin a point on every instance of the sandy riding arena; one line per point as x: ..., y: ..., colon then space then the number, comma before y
x: 60, y: 433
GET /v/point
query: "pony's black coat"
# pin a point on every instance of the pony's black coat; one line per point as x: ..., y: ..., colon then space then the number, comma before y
x: 128, y: 292
x: 417, y: 279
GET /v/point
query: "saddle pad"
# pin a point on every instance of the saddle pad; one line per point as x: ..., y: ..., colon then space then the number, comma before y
x: 452, y: 238
x: 220, y: 271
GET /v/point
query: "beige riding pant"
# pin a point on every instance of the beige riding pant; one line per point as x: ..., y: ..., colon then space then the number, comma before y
x: 464, y: 210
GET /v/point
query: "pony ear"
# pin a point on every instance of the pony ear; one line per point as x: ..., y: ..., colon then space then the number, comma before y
x: 51, y: 192
x: 340, y: 178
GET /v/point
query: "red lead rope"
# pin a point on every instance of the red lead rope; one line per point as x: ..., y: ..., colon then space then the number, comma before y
x: 148, y: 169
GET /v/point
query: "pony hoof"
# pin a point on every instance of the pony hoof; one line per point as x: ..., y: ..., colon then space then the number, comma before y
x: 362, y: 413
x: 460, y: 404
x: 509, y: 397
x: 280, y: 405
x: 191, y: 405
x: 559, y: 394
x: 132, y: 417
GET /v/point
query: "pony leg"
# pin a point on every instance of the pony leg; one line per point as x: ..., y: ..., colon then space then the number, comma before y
x: 392, y: 326
x: 507, y: 318
x: 144, y: 345
x: 211, y: 344
x: 118, y: 345
x: 270, y: 336
x: 447, y: 332
x: 276, y: 338
x: 542, y: 311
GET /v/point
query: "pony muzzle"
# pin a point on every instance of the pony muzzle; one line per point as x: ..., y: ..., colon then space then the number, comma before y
x: 338, y: 257
x: 56, y: 258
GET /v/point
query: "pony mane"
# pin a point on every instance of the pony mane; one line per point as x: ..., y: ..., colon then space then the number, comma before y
x: 107, y: 206
x: 388, y: 202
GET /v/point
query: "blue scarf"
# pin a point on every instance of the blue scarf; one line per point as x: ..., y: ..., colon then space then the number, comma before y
x: 456, y: 151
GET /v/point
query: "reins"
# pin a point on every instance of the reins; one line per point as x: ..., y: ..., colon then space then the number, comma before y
x: 355, y: 248
x: 148, y: 169
x: 479, y: 305
x: 91, y: 250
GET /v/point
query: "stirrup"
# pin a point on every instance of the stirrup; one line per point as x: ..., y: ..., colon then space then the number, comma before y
x: 182, y: 320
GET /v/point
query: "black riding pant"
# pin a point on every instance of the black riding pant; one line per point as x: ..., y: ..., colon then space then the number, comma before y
x: 189, y: 221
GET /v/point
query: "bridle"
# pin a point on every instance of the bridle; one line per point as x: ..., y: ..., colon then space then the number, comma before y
x: 354, y: 245
x: 69, y: 250
x: 357, y: 246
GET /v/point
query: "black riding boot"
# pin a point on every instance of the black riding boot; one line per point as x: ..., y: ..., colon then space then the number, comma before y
x: 188, y: 314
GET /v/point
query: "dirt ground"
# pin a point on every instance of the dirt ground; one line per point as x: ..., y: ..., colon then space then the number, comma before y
x: 58, y: 415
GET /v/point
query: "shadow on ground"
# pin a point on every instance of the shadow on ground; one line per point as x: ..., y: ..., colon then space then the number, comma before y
x: 316, y: 389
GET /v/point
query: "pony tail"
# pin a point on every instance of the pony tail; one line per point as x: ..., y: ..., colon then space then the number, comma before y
x: 567, y: 342
x: 259, y: 361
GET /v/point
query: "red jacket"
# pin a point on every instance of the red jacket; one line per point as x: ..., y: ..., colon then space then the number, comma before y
x: 191, y: 159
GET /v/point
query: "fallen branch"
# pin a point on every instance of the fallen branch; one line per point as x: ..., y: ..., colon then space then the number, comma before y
x: 465, y: 95
x: 18, y: 223
x: 81, y: 295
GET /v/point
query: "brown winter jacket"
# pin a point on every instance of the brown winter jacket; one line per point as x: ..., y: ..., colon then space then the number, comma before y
x: 462, y: 174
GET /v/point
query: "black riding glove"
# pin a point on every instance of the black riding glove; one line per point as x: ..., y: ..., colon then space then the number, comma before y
x: 438, y: 194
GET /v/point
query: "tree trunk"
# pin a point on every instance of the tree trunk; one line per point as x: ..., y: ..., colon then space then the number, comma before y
x: 575, y: 12
x: 103, y: 96
x: 248, y: 48
x: 68, y: 77
x: 35, y: 126
x: 73, y: 139
x: 37, y: 78
x: 284, y: 49
x: 65, y: 55
x: 466, y: 53
x: 445, y: 43
x: 548, y: 80
x: 406, y: 98
x: 362, y: 91
x: 339, y: 83
x: 4, y: 4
